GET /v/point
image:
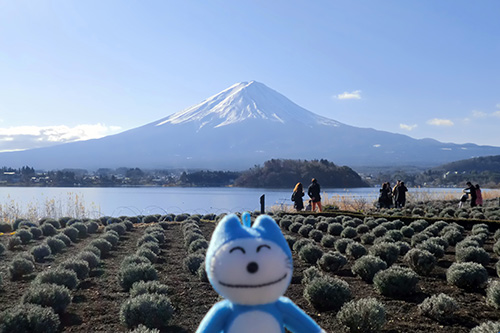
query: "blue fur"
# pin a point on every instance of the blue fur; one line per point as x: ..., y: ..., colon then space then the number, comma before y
x: 222, y: 314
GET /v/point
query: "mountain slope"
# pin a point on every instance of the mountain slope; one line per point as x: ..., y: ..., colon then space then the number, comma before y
x: 244, y: 125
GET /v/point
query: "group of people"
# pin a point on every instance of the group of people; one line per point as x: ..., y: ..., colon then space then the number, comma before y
x: 476, y: 197
x: 392, y: 197
x: 313, y: 191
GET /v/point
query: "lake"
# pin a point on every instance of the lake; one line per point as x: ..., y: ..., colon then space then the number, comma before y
x: 117, y: 201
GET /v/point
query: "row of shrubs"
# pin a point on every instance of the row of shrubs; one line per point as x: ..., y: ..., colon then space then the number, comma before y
x: 148, y: 308
x: 196, y: 246
x: 50, y: 292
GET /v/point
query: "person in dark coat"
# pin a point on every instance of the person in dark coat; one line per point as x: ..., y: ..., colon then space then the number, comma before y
x: 314, y: 193
x: 298, y: 193
x: 401, y: 195
x: 385, y: 198
x: 471, y: 190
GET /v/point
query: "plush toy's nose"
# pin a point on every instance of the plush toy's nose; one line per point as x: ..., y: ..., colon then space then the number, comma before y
x: 252, y: 267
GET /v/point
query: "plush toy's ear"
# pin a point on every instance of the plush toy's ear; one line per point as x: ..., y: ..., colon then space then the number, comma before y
x: 227, y: 229
x: 269, y: 229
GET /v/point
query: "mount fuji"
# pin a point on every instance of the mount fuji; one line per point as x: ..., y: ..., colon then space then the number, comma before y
x: 245, y: 124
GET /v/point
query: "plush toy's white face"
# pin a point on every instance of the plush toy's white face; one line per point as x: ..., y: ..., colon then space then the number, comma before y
x: 250, y: 271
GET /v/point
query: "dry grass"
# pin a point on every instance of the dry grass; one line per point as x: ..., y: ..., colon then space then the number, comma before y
x: 73, y: 205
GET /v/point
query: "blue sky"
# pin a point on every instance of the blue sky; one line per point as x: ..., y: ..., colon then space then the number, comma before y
x: 72, y: 70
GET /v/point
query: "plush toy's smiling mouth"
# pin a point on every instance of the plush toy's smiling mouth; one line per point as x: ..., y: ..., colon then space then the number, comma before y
x: 253, y: 285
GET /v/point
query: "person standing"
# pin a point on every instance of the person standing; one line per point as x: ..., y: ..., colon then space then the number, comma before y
x: 401, y: 195
x: 298, y: 193
x: 314, y: 193
x: 471, y: 190
x: 395, y: 194
x: 479, y: 196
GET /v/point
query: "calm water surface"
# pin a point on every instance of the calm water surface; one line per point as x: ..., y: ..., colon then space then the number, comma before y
x: 117, y: 201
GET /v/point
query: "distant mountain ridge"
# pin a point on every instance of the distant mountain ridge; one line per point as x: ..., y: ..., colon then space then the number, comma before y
x: 244, y: 125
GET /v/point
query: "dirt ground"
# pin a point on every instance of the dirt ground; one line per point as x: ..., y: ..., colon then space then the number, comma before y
x: 97, y: 300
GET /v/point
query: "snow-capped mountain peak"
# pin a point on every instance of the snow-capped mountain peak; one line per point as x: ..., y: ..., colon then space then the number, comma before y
x: 244, y: 101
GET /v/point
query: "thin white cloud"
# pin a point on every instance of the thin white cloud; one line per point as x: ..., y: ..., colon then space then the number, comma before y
x: 440, y: 122
x: 498, y: 106
x: 27, y: 137
x: 408, y: 127
x: 496, y: 114
x: 356, y: 94
x: 479, y: 114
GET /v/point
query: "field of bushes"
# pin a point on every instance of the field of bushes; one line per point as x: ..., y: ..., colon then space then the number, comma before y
x: 425, y: 268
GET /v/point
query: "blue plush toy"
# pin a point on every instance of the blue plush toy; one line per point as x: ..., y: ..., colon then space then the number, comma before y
x: 251, y: 267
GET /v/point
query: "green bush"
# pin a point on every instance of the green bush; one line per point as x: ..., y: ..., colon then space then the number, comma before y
x: 322, y: 226
x: 40, y: 252
x: 349, y: 232
x: 36, y: 232
x: 202, y: 274
x: 421, y: 261
x: 79, y: 266
x: 48, y: 229
x: 59, y: 276
x: 433, y: 247
x: 148, y: 287
x: 341, y: 244
x: 151, y: 310
x: 5, y: 227
x: 112, y: 238
x: 332, y: 261
x: 13, y: 242
x: 355, y: 250
x: 82, y: 229
x: 439, y: 307
x: 327, y: 293
x: 365, y: 315
x: 452, y: 236
x: 419, y: 238
x: 294, y: 227
x: 130, y: 274
x: 407, y: 231
x: 24, y: 235
x: 316, y: 235
x: 19, y: 267
x: 117, y: 227
x: 72, y: 233
x: 328, y: 241
x: 305, y: 230
x: 53, y: 222
x: 396, y: 282
x: 487, y: 327
x: 152, y: 246
x: 56, y: 245
x: 150, y: 219
x: 290, y: 241
x: 134, y: 260
x: 301, y: 243
x: 65, y: 239
x: 388, y: 252
x: 467, y: 275
x: 103, y: 245
x: 310, y: 253
x: 335, y: 229
x: 150, y: 255
x: 92, y: 227
x: 368, y: 238
x: 285, y: 223
x: 48, y: 295
x: 367, y: 266
x: 310, y: 274
x: 145, y: 239
x: 472, y: 254
x: 32, y: 318
x: 93, y: 249
x: 198, y: 245
x: 2, y: 248
x: 493, y: 294
x: 91, y: 259
x: 193, y: 262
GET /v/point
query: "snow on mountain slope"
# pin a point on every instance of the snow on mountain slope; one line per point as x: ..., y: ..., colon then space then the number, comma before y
x: 244, y: 101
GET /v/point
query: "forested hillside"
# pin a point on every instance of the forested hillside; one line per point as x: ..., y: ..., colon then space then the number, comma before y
x: 282, y: 173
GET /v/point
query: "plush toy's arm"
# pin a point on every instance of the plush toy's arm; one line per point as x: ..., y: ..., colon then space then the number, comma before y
x: 296, y: 320
x: 215, y: 319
